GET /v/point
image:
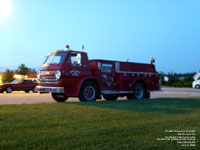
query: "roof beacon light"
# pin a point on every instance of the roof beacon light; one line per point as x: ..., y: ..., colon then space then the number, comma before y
x: 152, y: 60
x: 67, y: 47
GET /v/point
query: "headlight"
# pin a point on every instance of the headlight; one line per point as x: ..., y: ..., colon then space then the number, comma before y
x: 38, y: 75
x: 58, y: 74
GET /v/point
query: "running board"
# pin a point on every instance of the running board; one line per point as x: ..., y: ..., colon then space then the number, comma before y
x: 115, y: 92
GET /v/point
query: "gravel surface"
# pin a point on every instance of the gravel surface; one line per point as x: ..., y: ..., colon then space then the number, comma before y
x: 30, y: 98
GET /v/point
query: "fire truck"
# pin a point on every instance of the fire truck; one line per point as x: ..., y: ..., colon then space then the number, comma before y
x: 69, y: 73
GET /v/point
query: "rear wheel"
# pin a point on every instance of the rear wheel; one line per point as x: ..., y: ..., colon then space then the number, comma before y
x: 8, y: 90
x: 27, y: 91
x: 59, y: 97
x: 88, y: 92
x: 110, y: 96
x: 139, y: 91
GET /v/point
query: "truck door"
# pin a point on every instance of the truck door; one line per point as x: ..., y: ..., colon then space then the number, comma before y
x: 107, y: 76
x: 74, y: 68
x: 23, y: 85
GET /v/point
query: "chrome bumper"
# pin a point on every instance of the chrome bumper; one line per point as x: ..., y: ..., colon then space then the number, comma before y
x: 50, y: 89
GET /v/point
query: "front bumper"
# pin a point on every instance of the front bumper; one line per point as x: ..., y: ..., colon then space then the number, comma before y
x: 50, y: 89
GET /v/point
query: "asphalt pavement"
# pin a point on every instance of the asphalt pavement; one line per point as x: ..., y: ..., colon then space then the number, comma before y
x: 30, y: 98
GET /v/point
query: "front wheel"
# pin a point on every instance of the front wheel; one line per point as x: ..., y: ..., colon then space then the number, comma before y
x: 59, y: 97
x: 88, y: 92
x: 8, y: 90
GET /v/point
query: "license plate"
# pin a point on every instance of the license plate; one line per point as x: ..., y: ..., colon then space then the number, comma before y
x: 45, y: 90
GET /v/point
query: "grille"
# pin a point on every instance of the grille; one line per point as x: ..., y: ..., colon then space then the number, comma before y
x: 52, y: 80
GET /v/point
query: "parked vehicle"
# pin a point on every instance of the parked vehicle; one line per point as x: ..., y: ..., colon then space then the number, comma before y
x: 196, y: 82
x: 70, y: 74
x: 19, y: 85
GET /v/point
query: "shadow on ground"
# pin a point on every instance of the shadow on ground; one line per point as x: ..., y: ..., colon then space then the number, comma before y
x: 161, y: 105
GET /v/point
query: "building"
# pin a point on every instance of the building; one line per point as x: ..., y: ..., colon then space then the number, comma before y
x: 1, y: 77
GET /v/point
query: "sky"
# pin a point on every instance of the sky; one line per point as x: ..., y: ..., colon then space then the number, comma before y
x: 169, y: 30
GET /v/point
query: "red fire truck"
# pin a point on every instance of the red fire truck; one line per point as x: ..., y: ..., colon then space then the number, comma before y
x: 71, y: 74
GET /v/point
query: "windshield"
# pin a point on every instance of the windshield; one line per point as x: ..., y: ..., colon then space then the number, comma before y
x: 16, y: 81
x: 55, y: 58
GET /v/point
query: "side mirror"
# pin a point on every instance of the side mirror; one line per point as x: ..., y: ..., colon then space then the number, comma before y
x: 78, y: 59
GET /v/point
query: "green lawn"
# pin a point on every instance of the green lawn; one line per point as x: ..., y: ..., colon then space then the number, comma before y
x: 99, y: 125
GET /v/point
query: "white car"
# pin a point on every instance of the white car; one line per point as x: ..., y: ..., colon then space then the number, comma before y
x: 196, y: 84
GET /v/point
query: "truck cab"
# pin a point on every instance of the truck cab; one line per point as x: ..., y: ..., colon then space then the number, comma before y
x: 63, y: 73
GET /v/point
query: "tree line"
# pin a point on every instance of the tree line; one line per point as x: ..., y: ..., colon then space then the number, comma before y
x: 8, y: 76
x: 177, y: 79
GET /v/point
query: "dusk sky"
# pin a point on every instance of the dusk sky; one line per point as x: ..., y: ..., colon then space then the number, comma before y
x: 110, y: 29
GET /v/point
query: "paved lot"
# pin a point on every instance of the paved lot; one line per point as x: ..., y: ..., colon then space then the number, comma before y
x: 30, y: 98
x: 176, y: 92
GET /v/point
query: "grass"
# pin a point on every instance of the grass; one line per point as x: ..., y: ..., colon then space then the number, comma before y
x: 98, y: 125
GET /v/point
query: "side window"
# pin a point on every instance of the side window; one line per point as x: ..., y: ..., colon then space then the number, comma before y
x: 74, y: 59
x: 24, y: 81
x: 27, y: 81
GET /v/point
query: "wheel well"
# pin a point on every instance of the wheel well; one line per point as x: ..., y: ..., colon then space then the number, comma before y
x: 8, y: 87
x: 142, y: 82
x: 96, y: 83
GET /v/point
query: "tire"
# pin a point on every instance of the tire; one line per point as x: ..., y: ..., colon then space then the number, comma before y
x: 139, y: 91
x: 9, y: 90
x: 34, y: 90
x: 88, y: 92
x: 197, y: 86
x: 59, y: 97
x: 110, y: 97
x: 27, y: 91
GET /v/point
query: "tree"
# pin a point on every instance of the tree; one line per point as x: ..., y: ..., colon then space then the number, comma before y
x: 8, y: 76
x: 22, y: 69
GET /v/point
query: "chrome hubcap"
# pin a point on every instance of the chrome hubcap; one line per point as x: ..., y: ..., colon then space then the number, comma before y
x: 89, y: 93
x: 9, y: 90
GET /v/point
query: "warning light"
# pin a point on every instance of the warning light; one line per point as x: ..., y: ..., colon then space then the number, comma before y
x: 67, y: 47
x: 152, y: 60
